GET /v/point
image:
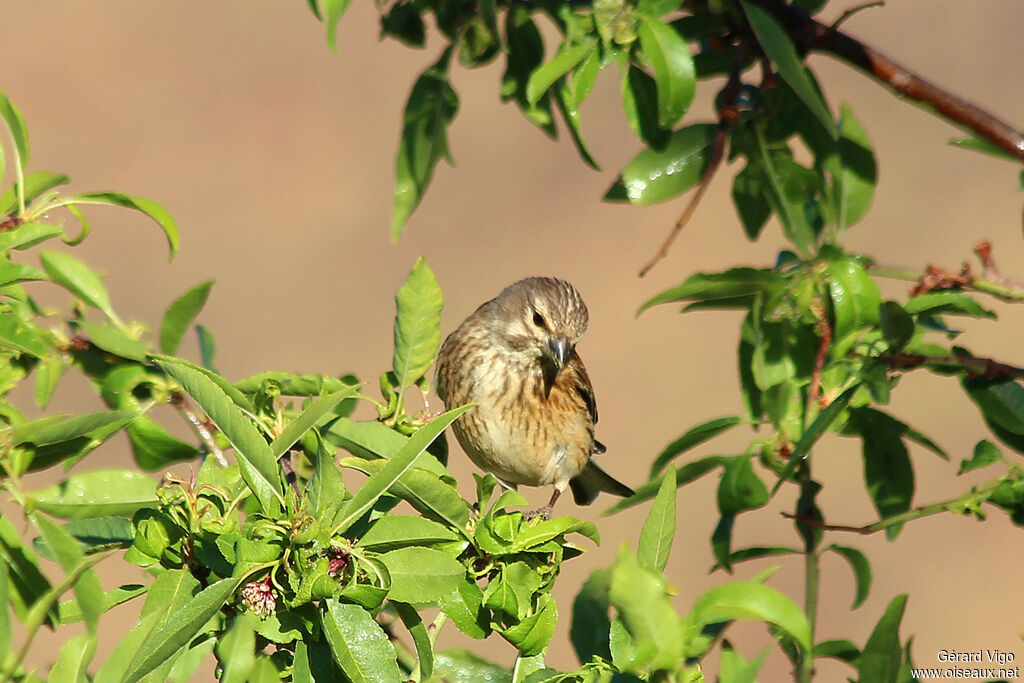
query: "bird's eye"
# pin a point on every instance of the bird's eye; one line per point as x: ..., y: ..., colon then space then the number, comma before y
x: 538, y: 319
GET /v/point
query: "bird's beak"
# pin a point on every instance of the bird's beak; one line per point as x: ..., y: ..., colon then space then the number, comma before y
x: 560, y: 351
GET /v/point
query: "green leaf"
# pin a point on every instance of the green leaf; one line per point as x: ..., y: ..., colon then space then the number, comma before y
x: 659, y: 528
x: 659, y: 175
x: 462, y: 666
x: 256, y: 463
x: 947, y: 302
x: 853, y: 170
x: 734, y: 669
x: 1001, y: 403
x: 88, y: 590
x: 15, y: 123
x: 359, y: 644
x: 861, y: 571
x: 464, y: 607
x: 60, y: 428
x: 533, y: 535
x: 431, y: 108
x: 692, y: 438
x: 840, y: 649
x: 73, y: 659
x: 672, y: 63
x: 855, y: 296
x: 748, y: 194
x: 236, y: 650
x: 564, y: 61
x: 11, y: 273
x: 821, y: 424
x: 114, y: 341
x: 379, y: 483
x: 888, y: 473
x: 5, y: 615
x: 563, y: 96
x: 642, y: 599
x: 48, y: 374
x: 399, y: 531
x: 333, y: 11
x: 524, y: 55
x: 22, y: 336
x: 896, y: 324
x: 422, y: 575
x: 590, y: 626
x: 984, y: 146
x: 532, y: 634
x: 154, y: 448
x: 417, y: 325
x: 26, y: 583
x: 309, y: 417
x: 740, y: 488
x: 756, y: 601
x: 729, y: 284
x: 425, y: 491
x: 70, y: 612
x: 882, y: 655
x: 985, y: 453
x: 782, y: 53
x: 163, y: 642
x: 97, y: 493
x: 420, y: 638
x: 28, y: 234
x: 640, y: 104
x: 684, y: 475
x: 180, y: 314
x: 753, y: 553
x: 79, y: 279
x: 35, y: 185
x: 146, y: 206
x: 207, y: 346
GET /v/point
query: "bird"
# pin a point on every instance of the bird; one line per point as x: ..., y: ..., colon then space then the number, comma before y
x: 533, y: 421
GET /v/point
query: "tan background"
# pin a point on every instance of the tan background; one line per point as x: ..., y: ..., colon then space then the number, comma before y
x: 276, y: 158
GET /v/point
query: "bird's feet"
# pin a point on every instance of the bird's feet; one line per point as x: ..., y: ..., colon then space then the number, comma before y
x: 544, y: 513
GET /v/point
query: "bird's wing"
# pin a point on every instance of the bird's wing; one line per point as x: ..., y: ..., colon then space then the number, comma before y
x: 582, y: 384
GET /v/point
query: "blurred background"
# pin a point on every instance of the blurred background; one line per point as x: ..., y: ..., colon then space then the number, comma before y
x: 276, y: 157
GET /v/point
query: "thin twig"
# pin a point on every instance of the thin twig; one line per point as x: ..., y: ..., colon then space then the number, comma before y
x: 289, y: 472
x: 201, y: 428
x: 812, y: 35
x: 726, y: 115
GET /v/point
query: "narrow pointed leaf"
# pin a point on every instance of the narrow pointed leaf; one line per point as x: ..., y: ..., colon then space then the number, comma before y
x: 88, y: 590
x: 861, y: 571
x: 180, y: 314
x: 309, y: 417
x: 256, y: 463
x: 97, y: 493
x: 146, y: 206
x: 78, y: 278
x: 418, y: 304
x: 562, y: 63
x: 379, y: 483
x: 674, y: 73
x: 782, y: 53
x: 659, y: 528
x: 882, y: 655
x: 15, y: 123
x: 692, y: 438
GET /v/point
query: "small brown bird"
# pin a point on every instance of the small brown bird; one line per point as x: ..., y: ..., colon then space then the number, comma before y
x: 533, y: 424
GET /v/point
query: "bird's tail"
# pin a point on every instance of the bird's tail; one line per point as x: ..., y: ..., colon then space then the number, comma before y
x: 592, y: 480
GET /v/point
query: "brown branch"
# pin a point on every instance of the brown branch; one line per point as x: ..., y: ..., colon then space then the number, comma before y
x: 972, y: 366
x: 825, y: 331
x: 201, y: 427
x: 812, y: 35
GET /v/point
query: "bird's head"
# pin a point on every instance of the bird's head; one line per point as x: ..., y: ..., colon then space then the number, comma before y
x: 543, y: 318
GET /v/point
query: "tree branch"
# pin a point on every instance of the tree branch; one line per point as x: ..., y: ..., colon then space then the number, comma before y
x: 811, y: 35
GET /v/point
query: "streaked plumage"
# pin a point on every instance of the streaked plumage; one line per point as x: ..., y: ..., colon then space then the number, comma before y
x: 515, y: 357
